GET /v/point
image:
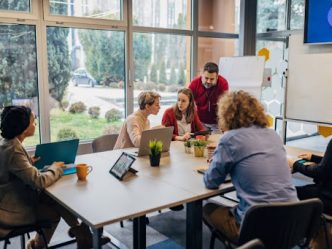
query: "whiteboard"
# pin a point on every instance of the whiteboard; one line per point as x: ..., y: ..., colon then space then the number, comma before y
x: 243, y: 73
x: 309, y: 82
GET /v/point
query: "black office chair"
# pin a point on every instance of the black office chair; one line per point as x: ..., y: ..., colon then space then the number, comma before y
x: 22, y: 231
x: 104, y: 143
x: 252, y: 244
x: 327, y: 219
x: 278, y: 225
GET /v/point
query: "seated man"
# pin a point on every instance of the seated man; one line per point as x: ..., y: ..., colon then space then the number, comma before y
x: 255, y: 158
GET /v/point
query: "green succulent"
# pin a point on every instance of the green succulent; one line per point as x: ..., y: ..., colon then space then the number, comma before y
x: 199, y: 143
x: 155, y: 147
x: 187, y: 143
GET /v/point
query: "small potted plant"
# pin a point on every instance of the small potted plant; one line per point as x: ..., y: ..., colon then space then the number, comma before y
x: 156, y: 148
x: 199, y: 146
x: 187, y: 146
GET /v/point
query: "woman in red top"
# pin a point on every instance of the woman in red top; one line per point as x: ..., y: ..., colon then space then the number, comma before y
x: 183, y: 116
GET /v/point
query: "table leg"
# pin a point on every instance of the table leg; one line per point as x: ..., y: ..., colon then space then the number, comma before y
x: 139, y: 232
x: 96, y: 234
x: 194, y: 225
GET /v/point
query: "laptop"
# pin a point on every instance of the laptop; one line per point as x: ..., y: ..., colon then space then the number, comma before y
x: 62, y: 151
x: 162, y: 134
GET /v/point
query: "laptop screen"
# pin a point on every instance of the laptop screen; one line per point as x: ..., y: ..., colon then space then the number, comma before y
x: 64, y: 151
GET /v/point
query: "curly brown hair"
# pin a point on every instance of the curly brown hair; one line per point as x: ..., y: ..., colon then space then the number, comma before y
x: 240, y: 109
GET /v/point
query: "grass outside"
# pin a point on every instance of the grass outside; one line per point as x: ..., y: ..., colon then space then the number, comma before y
x: 82, y: 124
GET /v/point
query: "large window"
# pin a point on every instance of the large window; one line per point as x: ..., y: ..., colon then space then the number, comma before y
x: 81, y: 64
x: 86, y: 82
x: 271, y: 15
x: 18, y: 69
x: 297, y: 14
x: 219, y: 15
x: 173, y: 14
x: 162, y: 63
x: 212, y: 49
x: 102, y: 9
x: 15, y: 5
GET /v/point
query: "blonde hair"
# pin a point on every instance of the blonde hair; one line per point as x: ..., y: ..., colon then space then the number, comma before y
x: 240, y: 109
x: 147, y: 98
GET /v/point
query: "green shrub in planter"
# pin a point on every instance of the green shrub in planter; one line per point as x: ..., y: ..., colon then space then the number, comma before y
x: 113, y: 115
x: 66, y: 134
x: 94, y: 111
x: 77, y: 107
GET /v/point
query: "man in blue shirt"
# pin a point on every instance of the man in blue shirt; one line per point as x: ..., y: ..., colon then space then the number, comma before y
x: 255, y: 158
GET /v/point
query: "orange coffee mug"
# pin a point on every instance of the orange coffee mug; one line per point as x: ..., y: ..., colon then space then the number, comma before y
x: 82, y: 170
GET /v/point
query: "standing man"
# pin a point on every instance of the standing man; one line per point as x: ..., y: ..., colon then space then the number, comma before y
x: 207, y: 89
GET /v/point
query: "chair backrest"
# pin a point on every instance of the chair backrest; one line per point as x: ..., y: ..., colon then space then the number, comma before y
x: 282, y: 225
x: 252, y: 244
x: 105, y: 142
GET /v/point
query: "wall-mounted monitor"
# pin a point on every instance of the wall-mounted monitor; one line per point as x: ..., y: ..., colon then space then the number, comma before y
x: 318, y: 21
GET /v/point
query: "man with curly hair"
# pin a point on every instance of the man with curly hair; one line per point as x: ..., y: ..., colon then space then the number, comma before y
x: 255, y: 158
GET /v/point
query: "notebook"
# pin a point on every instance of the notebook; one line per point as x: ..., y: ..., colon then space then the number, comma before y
x: 63, y: 151
x: 162, y: 134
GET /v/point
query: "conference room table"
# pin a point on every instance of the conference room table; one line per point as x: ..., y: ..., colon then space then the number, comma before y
x: 103, y: 199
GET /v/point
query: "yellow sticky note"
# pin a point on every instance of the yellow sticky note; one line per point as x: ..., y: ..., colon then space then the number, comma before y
x: 325, y: 131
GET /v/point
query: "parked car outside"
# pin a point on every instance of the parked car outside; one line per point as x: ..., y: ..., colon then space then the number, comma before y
x: 82, y: 77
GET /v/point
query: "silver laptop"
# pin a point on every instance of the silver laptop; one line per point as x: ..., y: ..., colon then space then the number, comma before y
x: 162, y: 134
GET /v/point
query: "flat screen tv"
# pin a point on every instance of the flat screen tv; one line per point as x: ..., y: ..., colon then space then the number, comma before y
x: 318, y: 21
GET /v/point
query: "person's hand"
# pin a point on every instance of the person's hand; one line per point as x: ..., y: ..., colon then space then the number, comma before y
x: 291, y: 163
x: 59, y: 164
x: 306, y: 156
x: 34, y: 159
x: 186, y: 136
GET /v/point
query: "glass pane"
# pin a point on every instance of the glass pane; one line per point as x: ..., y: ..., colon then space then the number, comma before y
x: 18, y: 69
x: 219, y: 15
x: 273, y: 96
x: 102, y: 9
x: 15, y: 5
x: 173, y: 14
x: 162, y: 63
x: 271, y: 15
x: 86, y: 77
x: 297, y: 14
x: 305, y: 136
x: 211, y: 49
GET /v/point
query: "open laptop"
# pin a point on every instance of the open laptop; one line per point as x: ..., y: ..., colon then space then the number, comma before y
x: 162, y: 134
x: 63, y: 151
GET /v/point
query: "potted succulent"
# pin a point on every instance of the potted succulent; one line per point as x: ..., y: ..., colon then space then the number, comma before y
x: 156, y: 148
x: 199, y: 146
x: 187, y: 146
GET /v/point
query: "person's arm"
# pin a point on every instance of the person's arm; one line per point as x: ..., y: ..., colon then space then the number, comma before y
x: 319, y: 171
x: 219, y: 167
x: 22, y: 168
x: 134, y: 130
x: 167, y: 121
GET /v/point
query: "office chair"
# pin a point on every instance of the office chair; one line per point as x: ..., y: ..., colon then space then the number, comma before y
x: 22, y: 231
x: 327, y: 220
x: 277, y: 225
x: 252, y: 244
x: 104, y: 143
